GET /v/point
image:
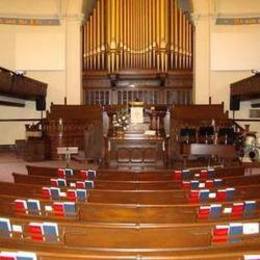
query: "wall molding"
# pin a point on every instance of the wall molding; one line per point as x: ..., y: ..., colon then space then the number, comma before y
x: 237, y: 20
x: 30, y: 21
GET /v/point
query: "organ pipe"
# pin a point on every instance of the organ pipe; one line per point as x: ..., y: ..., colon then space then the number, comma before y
x: 137, y: 34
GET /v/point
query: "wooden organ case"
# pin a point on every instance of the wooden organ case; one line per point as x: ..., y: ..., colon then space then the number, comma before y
x: 137, y: 49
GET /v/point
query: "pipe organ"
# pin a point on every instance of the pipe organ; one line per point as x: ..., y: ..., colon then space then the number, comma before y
x: 133, y: 47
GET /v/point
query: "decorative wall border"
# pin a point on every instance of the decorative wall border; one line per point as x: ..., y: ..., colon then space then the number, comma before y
x: 238, y: 21
x: 30, y: 21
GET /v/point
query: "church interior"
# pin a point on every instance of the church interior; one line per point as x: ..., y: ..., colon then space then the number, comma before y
x: 130, y: 129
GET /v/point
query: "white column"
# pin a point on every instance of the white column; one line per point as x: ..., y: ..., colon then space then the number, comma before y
x: 73, y: 39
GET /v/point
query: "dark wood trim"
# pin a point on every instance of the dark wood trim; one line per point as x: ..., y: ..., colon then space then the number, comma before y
x: 247, y: 120
x: 7, y: 148
x: 20, y: 119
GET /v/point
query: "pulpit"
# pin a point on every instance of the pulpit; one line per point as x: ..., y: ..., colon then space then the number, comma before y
x: 140, y: 142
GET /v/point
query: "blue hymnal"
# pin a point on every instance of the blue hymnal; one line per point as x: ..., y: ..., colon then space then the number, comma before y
x: 68, y: 172
x: 62, y: 182
x: 249, y: 207
x: 204, y: 195
x: 211, y: 172
x: 5, y: 227
x: 92, y: 174
x: 81, y: 194
x: 50, y: 231
x: 217, y: 182
x: 230, y: 193
x: 215, y: 210
x: 89, y: 184
x: 33, y: 207
x: 194, y: 184
x: 186, y: 174
x: 235, y: 229
x: 69, y: 209
x: 55, y: 193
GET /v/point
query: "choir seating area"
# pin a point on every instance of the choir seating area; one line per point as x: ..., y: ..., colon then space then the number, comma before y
x: 64, y: 213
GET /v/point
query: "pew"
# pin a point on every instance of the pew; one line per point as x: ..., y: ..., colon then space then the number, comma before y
x: 129, y: 235
x: 135, y: 185
x: 127, y: 213
x: 124, y: 225
x: 135, y: 176
x: 53, y: 252
x: 158, y: 196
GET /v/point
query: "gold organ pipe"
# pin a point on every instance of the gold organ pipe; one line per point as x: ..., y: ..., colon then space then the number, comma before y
x: 134, y: 32
x: 117, y: 31
x: 84, y: 31
x: 166, y: 32
x: 130, y: 36
x: 127, y: 34
x: 142, y: 34
x: 113, y: 42
x: 108, y: 33
x: 145, y: 8
x: 147, y: 5
x: 91, y: 42
x: 158, y: 34
x: 184, y: 40
x: 138, y: 32
x: 98, y: 35
x: 102, y: 35
x: 85, y: 40
x: 187, y: 42
x: 121, y: 27
x: 124, y: 32
x: 180, y: 39
x: 88, y: 45
x: 142, y: 28
x: 171, y: 31
x: 94, y: 38
x: 176, y: 33
x: 149, y: 43
x: 146, y: 55
x: 153, y: 34
x: 190, y: 44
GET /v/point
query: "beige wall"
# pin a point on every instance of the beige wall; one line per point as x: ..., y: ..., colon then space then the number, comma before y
x: 59, y: 48
x: 216, y: 83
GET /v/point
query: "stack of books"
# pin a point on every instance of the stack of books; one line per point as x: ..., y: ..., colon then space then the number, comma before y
x: 65, y: 172
x: 77, y: 195
x: 87, y: 174
x: 45, y: 231
x: 64, y: 209
x: 233, y: 232
x: 58, y: 182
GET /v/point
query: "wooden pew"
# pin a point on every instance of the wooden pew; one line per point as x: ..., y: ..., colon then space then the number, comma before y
x: 133, y: 236
x: 54, y: 252
x: 135, y: 185
x: 159, y: 196
x: 135, y: 176
x: 125, y: 213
